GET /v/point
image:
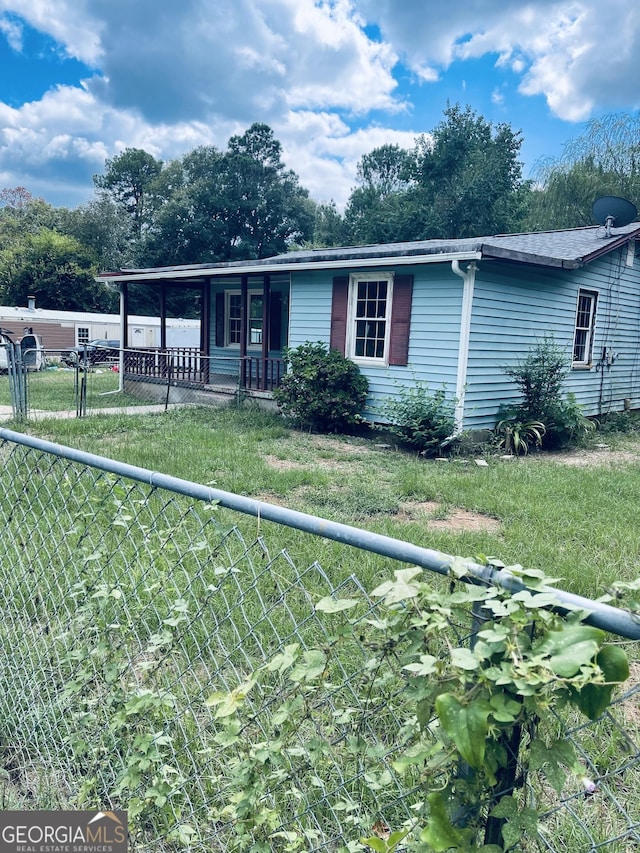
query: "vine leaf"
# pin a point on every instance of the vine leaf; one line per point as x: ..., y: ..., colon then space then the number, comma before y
x: 466, y: 725
x: 440, y: 834
x: 335, y: 605
x: 593, y: 699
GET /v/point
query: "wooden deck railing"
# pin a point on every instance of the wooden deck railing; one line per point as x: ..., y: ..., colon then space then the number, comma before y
x: 188, y: 365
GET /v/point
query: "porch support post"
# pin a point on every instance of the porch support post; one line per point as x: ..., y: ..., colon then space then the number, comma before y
x: 124, y: 314
x: 205, y: 320
x: 124, y: 332
x: 266, y: 314
x: 163, y: 315
x: 244, y: 326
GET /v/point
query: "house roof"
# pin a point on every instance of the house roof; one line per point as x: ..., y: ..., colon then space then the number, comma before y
x: 567, y: 249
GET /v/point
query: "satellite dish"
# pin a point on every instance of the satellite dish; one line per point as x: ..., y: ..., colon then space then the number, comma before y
x: 612, y: 211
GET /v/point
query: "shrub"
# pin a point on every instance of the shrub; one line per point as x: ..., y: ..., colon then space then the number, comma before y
x: 567, y: 423
x: 421, y: 420
x: 540, y: 377
x: 558, y: 422
x: 322, y: 390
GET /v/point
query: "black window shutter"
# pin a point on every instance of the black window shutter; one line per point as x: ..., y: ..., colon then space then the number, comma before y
x: 400, y: 320
x: 340, y: 297
x: 275, y: 320
x: 219, y: 319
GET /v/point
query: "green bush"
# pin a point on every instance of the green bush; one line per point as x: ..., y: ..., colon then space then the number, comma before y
x: 322, y: 390
x: 421, y: 420
x: 540, y: 377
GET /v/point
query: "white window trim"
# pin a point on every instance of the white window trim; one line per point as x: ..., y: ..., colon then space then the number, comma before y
x: 227, y: 295
x: 588, y: 361
x: 354, y: 280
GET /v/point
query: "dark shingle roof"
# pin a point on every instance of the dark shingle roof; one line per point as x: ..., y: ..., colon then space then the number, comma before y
x: 569, y: 249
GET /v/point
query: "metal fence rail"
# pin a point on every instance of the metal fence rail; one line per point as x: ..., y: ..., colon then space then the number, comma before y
x: 129, y: 599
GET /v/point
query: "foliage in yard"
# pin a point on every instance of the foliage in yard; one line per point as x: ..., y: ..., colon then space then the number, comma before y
x: 421, y: 420
x: 322, y: 390
x: 472, y: 720
x: 540, y: 377
x: 239, y: 699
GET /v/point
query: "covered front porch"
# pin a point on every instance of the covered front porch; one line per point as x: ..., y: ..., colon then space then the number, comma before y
x: 243, y: 317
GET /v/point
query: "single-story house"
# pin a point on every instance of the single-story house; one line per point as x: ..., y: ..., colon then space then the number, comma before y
x: 445, y: 312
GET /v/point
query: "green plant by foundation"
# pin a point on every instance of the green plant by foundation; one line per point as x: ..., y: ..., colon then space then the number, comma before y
x: 321, y: 390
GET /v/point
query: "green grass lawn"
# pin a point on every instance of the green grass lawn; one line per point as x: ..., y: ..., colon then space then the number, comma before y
x: 579, y: 523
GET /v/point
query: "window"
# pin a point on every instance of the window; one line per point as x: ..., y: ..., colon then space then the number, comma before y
x: 386, y: 330
x: 369, y: 318
x: 585, y: 325
x: 233, y: 319
x: 83, y: 335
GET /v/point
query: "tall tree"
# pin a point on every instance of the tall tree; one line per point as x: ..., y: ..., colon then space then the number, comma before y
x: 605, y: 160
x: 129, y: 181
x: 464, y: 179
x: 103, y: 228
x: 468, y: 178
x: 375, y: 210
x: 241, y: 203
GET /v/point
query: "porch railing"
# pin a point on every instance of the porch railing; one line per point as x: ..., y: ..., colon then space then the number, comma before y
x: 189, y: 365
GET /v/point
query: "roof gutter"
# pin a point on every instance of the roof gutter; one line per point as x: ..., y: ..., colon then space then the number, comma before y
x: 257, y: 269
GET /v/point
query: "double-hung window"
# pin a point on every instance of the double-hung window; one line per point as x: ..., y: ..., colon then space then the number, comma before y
x: 233, y: 318
x: 369, y: 318
x: 585, y: 326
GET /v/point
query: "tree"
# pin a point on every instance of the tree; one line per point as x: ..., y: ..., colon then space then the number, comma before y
x: 56, y: 269
x: 241, y: 203
x: 462, y: 180
x: 605, y: 160
x: 129, y: 180
x: 266, y: 205
x: 21, y: 214
x: 104, y: 229
x: 468, y: 178
x: 375, y: 210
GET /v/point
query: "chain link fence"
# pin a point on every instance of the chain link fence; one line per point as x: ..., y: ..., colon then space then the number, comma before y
x: 90, y: 379
x: 134, y: 604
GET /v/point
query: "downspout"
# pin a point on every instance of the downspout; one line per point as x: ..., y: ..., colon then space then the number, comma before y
x: 468, y: 277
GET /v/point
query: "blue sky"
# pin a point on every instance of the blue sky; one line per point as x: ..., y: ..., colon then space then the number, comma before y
x: 81, y: 80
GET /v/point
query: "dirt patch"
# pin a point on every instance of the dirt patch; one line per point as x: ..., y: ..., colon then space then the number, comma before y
x: 284, y: 464
x: 601, y: 455
x: 631, y: 709
x: 337, y: 445
x: 455, y: 520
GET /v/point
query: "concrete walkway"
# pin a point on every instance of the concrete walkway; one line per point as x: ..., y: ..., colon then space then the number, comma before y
x: 6, y: 412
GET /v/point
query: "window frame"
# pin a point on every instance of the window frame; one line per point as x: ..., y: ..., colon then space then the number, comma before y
x: 351, y: 331
x: 584, y: 331
x: 227, y: 318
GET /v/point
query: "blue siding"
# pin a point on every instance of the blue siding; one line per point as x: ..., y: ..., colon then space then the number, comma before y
x: 515, y: 306
x: 435, y: 327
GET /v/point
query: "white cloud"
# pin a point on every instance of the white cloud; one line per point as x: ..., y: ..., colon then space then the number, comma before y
x: 581, y: 55
x: 69, y: 22
x: 13, y: 33
x: 168, y: 76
